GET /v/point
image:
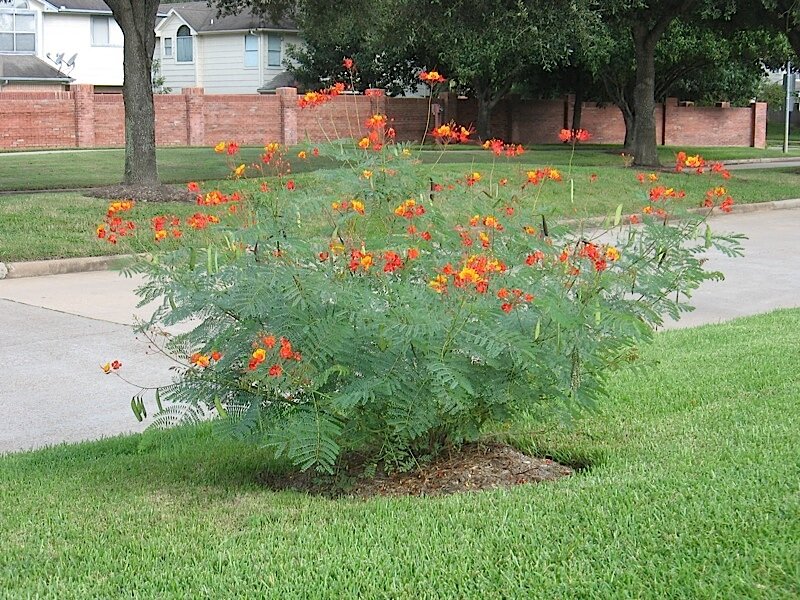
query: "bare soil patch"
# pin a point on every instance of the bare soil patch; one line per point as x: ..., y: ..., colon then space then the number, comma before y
x: 475, y: 467
x: 143, y: 193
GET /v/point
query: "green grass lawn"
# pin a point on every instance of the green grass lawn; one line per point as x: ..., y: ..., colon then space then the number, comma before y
x: 69, y: 170
x: 62, y: 224
x: 693, y: 492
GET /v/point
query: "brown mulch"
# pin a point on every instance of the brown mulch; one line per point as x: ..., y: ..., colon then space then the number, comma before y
x: 143, y: 193
x: 475, y: 467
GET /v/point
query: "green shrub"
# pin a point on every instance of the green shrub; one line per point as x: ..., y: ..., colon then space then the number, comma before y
x: 380, y: 312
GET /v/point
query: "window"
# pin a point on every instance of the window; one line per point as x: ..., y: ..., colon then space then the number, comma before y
x: 100, y: 31
x: 184, y: 43
x: 168, y: 47
x: 17, y: 28
x: 274, y: 43
x: 250, y: 51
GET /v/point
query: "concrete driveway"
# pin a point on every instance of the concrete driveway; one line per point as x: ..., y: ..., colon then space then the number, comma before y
x: 56, y: 331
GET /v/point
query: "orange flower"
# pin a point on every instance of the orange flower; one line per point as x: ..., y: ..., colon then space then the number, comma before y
x: 431, y: 77
x: 363, y: 143
x: 269, y: 341
x: 192, y: 186
x: 302, y: 155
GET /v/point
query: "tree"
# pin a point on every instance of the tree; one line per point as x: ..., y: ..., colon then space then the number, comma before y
x: 137, y: 19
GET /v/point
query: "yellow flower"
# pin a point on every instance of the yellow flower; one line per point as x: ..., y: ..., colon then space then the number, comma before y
x: 366, y: 174
x: 259, y: 354
x: 239, y: 171
x: 612, y: 253
x: 363, y: 143
x: 358, y: 206
x: 406, y: 151
x: 302, y: 154
x: 335, y: 205
x: 476, y: 176
x: 220, y: 147
x: 106, y: 368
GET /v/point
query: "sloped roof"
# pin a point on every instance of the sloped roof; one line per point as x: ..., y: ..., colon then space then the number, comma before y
x: 203, y: 19
x: 96, y: 6
x: 90, y: 5
x: 26, y: 67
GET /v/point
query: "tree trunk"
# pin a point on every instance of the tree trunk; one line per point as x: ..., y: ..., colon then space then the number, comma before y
x: 630, y: 124
x: 577, y: 110
x: 484, y: 124
x: 137, y: 21
x: 643, y: 145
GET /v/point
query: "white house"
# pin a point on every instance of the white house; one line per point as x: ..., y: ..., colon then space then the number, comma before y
x: 239, y: 54
x: 54, y: 42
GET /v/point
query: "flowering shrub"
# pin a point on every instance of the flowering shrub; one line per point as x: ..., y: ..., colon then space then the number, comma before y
x: 382, y: 313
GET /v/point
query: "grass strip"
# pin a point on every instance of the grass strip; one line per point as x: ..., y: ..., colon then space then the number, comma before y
x: 692, y: 492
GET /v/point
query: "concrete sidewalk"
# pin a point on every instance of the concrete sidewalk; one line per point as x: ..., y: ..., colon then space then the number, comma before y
x: 55, y: 332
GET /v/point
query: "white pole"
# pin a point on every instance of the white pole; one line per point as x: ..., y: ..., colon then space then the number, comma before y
x: 788, y: 107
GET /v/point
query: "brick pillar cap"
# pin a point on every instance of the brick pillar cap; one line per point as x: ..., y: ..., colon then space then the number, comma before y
x: 192, y: 91
x: 375, y: 92
x: 286, y: 91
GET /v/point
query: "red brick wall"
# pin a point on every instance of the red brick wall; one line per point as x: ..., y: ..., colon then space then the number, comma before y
x: 109, y: 120
x: 699, y: 125
x: 409, y: 117
x: 82, y: 118
x: 538, y: 122
x: 341, y: 117
x: 171, y: 126
x: 246, y: 119
x: 37, y: 120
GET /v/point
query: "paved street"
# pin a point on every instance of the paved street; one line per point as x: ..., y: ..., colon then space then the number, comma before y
x: 56, y: 331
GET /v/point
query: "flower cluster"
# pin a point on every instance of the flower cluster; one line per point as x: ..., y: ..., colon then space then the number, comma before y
x: 574, y: 135
x: 651, y: 177
x: 431, y: 77
x: 409, y: 209
x: 513, y: 298
x: 204, y: 360
x: 473, y: 274
x: 345, y: 206
x: 695, y: 161
x: 266, y: 345
x: 166, y: 225
x: 114, y: 365
x: 229, y: 148
x: 114, y: 226
x: 498, y: 147
x: 360, y: 259
x: 662, y: 194
x: 539, y: 175
x: 201, y: 220
x: 599, y: 256
x: 715, y: 194
x: 450, y: 133
x: 473, y: 178
x: 312, y: 99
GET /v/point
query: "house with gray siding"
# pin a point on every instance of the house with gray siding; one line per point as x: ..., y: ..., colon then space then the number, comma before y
x: 237, y: 54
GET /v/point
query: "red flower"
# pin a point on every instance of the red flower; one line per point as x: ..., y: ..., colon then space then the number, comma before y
x: 193, y: 186
x: 506, y: 307
x: 275, y: 371
x: 347, y: 63
x: 290, y: 184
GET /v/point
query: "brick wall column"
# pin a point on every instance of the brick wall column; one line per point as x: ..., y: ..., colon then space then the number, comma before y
x: 449, y: 102
x: 759, y: 135
x: 84, y: 115
x: 195, y: 116
x: 288, y: 98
